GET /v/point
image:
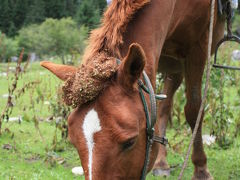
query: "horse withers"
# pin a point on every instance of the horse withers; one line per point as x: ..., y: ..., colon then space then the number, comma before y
x: 108, y: 124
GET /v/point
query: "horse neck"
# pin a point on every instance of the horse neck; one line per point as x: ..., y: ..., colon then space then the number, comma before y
x: 149, y: 28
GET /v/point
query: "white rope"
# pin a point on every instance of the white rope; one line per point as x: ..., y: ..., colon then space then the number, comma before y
x: 205, y: 90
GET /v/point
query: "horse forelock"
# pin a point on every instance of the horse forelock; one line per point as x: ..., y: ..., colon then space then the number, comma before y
x: 89, y: 80
x: 109, y: 36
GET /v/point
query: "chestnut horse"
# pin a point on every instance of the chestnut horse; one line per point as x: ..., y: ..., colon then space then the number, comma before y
x: 108, y: 124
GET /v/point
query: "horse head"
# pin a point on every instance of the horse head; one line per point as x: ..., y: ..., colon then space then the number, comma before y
x: 108, y: 124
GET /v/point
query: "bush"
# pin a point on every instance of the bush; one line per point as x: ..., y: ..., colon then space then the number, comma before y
x: 8, y: 48
x: 53, y: 37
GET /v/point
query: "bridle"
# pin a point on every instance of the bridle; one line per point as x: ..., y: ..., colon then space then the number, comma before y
x: 151, y: 117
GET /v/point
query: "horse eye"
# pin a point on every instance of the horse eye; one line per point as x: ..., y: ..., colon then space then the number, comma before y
x: 128, y: 144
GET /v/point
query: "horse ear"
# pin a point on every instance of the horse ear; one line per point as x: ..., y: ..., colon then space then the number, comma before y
x: 132, y: 66
x: 61, y: 71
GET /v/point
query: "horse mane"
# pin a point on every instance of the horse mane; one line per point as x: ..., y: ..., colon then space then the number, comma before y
x: 99, y: 63
x: 109, y: 36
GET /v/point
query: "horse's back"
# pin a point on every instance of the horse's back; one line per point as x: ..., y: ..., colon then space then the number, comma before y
x: 188, y: 27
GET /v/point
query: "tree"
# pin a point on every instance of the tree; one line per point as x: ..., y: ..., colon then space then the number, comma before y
x: 36, y: 12
x: 5, y: 19
x: 22, y: 6
x: 55, y: 8
x: 8, y: 48
x: 65, y: 36
x: 71, y: 7
x: 101, y: 4
x: 53, y: 37
x: 12, y: 31
x: 88, y: 13
x: 14, y: 14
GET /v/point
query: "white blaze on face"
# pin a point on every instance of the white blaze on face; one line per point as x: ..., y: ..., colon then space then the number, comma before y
x: 91, y: 125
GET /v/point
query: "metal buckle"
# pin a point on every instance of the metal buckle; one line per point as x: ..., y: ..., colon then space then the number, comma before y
x: 225, y: 39
x: 157, y: 96
x: 150, y: 133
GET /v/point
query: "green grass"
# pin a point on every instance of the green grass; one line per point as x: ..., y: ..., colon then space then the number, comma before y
x: 31, y: 156
x: 47, y: 88
x: 28, y: 157
x: 222, y: 164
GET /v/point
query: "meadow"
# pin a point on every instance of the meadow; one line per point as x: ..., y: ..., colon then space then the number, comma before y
x: 33, y: 144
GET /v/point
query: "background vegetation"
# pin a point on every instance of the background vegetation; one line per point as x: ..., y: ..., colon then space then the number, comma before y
x: 33, y: 130
x: 18, y: 13
x: 47, y: 27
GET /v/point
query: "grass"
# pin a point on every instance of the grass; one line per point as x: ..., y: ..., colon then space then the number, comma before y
x: 223, y: 164
x: 31, y: 157
x: 47, y: 88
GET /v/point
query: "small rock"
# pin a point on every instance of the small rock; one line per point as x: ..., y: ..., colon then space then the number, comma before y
x: 208, y: 139
x: 161, y: 172
x: 5, y: 95
x: 14, y: 119
x: 46, y: 102
x: 7, y: 146
x: 59, y: 120
x: 236, y: 55
x: 3, y: 74
x: 61, y: 161
x: 49, y: 119
x: 78, y: 171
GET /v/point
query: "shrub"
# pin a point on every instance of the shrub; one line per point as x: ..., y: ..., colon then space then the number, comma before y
x: 53, y: 37
x: 8, y: 48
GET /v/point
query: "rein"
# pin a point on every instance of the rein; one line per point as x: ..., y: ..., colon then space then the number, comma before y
x: 230, y: 5
x: 151, y: 117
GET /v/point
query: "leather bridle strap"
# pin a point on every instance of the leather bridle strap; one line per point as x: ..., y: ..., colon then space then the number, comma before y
x: 153, y: 103
x: 151, y: 120
x: 149, y: 128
